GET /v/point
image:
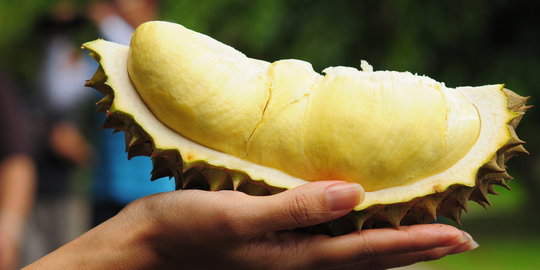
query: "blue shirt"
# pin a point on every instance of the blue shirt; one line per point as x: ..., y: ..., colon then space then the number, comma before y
x: 122, y: 180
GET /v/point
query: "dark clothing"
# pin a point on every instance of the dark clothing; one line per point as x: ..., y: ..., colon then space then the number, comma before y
x: 14, y: 129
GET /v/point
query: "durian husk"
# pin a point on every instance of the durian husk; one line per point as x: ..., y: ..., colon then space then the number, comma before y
x: 190, y: 173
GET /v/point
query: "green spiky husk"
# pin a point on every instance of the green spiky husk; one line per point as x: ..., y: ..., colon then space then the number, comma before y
x: 201, y: 175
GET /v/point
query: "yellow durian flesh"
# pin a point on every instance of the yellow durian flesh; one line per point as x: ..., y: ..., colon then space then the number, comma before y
x: 402, y: 136
x: 380, y: 129
x: 178, y: 91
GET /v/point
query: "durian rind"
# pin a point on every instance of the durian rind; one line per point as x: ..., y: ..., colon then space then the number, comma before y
x: 193, y: 165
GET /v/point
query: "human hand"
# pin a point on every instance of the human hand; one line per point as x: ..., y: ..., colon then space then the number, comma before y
x: 17, y: 182
x: 194, y: 229
x: 9, y: 251
x: 136, y: 12
x: 97, y: 10
x: 68, y: 142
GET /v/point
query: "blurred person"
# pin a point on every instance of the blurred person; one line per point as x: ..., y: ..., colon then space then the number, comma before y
x: 117, y: 19
x: 119, y: 181
x: 17, y: 175
x: 59, y: 214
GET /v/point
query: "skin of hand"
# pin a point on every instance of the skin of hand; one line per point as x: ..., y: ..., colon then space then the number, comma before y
x: 17, y: 184
x: 136, y: 12
x: 97, y: 10
x: 194, y: 229
x: 9, y: 251
x: 68, y: 142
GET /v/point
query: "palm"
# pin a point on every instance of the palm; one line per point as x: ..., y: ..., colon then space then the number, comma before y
x: 214, y: 229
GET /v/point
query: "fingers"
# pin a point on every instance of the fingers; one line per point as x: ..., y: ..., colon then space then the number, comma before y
x: 392, y: 261
x: 376, y: 245
x: 306, y: 205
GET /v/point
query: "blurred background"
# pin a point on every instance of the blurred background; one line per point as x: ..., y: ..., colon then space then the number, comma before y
x: 82, y: 176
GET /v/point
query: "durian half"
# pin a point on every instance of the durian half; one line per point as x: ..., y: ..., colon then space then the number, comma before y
x: 214, y: 119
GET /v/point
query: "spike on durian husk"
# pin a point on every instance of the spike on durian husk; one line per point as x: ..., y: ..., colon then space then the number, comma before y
x: 480, y: 195
x: 217, y: 179
x: 491, y: 190
x: 392, y: 214
x: 423, y: 211
x: 216, y: 172
x: 238, y: 180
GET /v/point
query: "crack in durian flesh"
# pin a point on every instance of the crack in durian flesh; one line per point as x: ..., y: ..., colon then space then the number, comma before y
x: 380, y: 129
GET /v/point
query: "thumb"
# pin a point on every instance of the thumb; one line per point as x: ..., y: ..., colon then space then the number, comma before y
x: 306, y: 205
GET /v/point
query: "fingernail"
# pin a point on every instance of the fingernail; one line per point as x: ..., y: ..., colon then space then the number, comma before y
x: 467, y: 244
x: 473, y: 245
x: 470, y: 245
x: 343, y: 196
x: 466, y: 236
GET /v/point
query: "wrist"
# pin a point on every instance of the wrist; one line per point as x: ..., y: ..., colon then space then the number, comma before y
x: 158, y: 246
x: 120, y: 243
x: 134, y: 246
x: 115, y: 244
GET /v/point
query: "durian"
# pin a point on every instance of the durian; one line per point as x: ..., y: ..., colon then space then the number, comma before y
x: 215, y: 119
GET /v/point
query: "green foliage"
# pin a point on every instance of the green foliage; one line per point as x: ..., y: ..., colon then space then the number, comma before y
x: 460, y: 42
x: 17, y: 19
